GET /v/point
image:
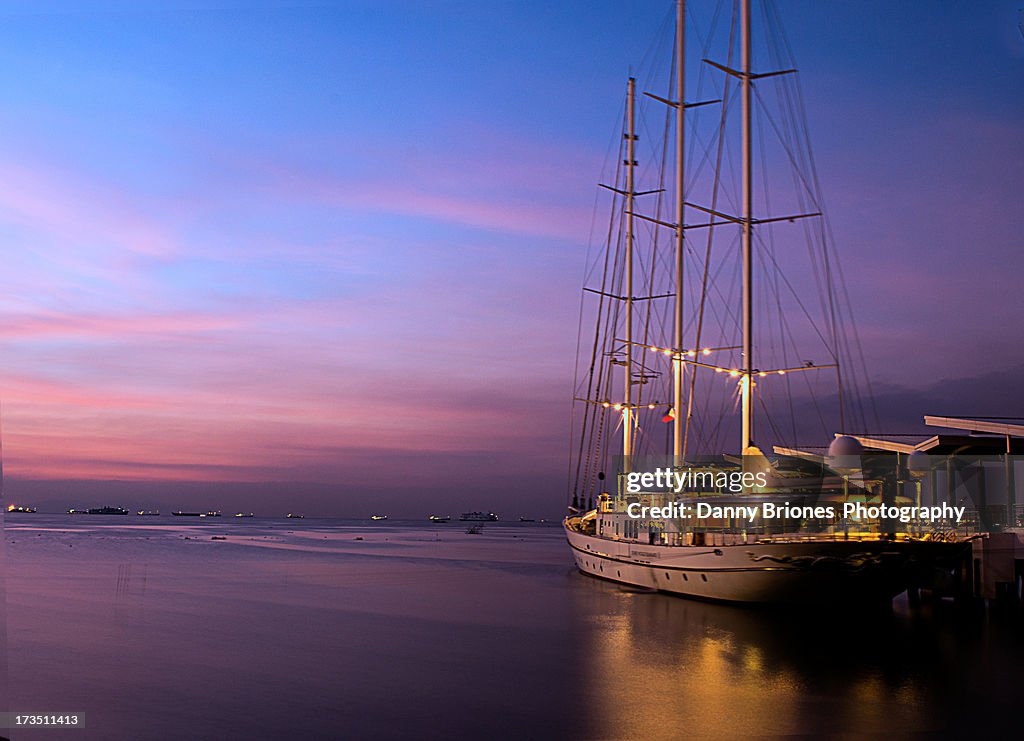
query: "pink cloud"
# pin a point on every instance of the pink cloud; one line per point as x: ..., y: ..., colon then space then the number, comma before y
x: 239, y: 393
x: 49, y: 324
x: 507, y: 184
x: 76, y: 210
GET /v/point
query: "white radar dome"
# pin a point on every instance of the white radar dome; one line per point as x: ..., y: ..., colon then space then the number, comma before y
x: 844, y: 453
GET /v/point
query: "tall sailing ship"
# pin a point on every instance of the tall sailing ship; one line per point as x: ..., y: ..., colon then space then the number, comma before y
x: 675, y: 312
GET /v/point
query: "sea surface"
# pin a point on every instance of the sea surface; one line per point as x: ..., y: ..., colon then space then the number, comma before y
x: 333, y: 629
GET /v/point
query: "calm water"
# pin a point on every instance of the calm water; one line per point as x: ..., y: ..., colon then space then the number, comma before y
x: 298, y: 630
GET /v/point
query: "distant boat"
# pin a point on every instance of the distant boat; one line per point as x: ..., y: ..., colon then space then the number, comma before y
x: 439, y: 518
x: 243, y: 514
x: 526, y: 519
x: 378, y: 517
x: 478, y: 517
x: 148, y: 512
x: 101, y: 511
x: 187, y: 514
x: 294, y: 516
x: 210, y: 514
x: 23, y: 510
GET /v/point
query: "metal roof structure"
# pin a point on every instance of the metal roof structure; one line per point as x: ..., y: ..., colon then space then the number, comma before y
x: 1006, y: 426
x: 976, y: 435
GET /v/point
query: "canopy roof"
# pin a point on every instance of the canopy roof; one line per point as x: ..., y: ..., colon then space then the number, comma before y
x: 975, y: 436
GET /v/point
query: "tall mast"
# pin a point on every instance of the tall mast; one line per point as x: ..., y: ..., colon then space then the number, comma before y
x: 677, y: 341
x: 747, y: 378
x: 627, y: 408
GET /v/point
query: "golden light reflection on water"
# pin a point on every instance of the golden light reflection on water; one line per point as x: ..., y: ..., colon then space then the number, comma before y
x: 656, y: 667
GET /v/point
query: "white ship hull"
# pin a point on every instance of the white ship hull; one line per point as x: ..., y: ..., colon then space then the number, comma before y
x: 820, y: 571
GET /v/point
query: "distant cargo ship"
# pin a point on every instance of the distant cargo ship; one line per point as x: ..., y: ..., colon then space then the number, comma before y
x: 22, y: 510
x: 196, y: 514
x: 439, y: 518
x: 99, y: 511
x: 294, y: 516
x: 244, y: 514
x: 378, y: 517
x: 478, y: 517
x: 148, y: 512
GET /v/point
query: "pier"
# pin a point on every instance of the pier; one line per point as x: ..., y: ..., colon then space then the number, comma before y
x: 970, y: 464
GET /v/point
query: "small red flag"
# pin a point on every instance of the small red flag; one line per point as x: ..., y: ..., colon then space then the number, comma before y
x: 670, y: 416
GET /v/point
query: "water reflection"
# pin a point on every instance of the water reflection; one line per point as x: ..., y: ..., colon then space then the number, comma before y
x: 411, y: 632
x: 655, y: 666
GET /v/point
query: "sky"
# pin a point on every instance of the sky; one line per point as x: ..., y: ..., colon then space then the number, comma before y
x: 326, y: 256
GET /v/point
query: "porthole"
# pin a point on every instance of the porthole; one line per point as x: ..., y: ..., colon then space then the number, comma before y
x: 704, y: 577
x: 618, y: 573
x: 668, y: 575
x: 686, y: 578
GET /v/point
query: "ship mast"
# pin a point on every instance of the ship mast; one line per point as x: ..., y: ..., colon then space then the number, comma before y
x: 627, y: 408
x: 747, y: 219
x: 677, y: 340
